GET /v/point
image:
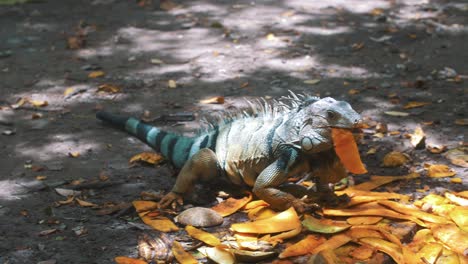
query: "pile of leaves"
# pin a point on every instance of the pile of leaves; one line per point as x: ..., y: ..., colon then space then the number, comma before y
x: 372, y: 227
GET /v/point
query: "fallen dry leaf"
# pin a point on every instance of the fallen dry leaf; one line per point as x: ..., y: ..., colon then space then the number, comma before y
x: 96, y: 74
x: 128, y: 260
x: 452, y: 237
x: 218, y: 254
x: 461, y: 122
x: 213, y: 100
x: 160, y: 223
x: 83, y: 203
x: 303, y: 247
x: 332, y: 243
x: 387, y: 247
x: 76, y: 42
x: 231, y: 205
x: 37, y: 103
x: 395, y: 159
x: 203, y: 236
x: 148, y: 157
x: 458, y: 156
x: 396, y: 113
x: 435, y: 149
x: 418, y: 138
x: 415, y: 104
x: 171, y: 84
x: 109, y: 88
x: 439, y: 171
x: 181, y: 255
x: 323, y: 225
x: 364, y: 220
x: 347, y: 150
x: 312, y: 81
x: 281, y: 222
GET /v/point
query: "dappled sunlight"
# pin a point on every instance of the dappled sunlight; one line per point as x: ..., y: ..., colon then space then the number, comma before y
x: 57, y: 146
x: 10, y: 190
x: 354, y: 6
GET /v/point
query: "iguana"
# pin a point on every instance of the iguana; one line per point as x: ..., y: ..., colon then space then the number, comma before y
x: 283, y: 140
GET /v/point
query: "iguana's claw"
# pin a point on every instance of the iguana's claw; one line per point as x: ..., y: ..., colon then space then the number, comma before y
x: 171, y: 199
x: 303, y: 207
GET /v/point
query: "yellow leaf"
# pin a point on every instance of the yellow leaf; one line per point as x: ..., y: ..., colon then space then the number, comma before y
x: 37, y: 103
x: 456, y: 180
x: 452, y: 237
x: 218, y: 254
x: 378, y: 211
x: 395, y: 159
x: 127, y: 260
x: 323, y: 225
x: 145, y: 206
x: 261, y: 212
x: 75, y: 154
x: 96, y: 74
x: 347, y: 150
x: 281, y: 222
x: 462, y: 201
x: 85, y: 203
x: 203, y: 236
x: 363, y: 220
x: 393, y: 250
x: 458, y: 156
x: 404, y: 209
x: 377, y: 181
x: 284, y: 235
x: 461, y: 122
x: 440, y: 171
x: 254, y: 204
x: 20, y: 102
x: 362, y: 253
x: 181, y: 255
x: 231, y: 205
x: 413, y: 104
x: 41, y: 177
x: 68, y: 91
x: 459, y: 215
x: 303, y: 247
x: 353, y: 91
x: 312, y: 81
x: 418, y: 137
x: 270, y: 36
x: 396, y: 113
x: 171, y: 84
x: 109, y: 88
x: 213, y: 100
x: 148, y: 157
x: 334, y: 242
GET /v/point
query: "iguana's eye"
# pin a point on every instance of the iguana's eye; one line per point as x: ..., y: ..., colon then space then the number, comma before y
x: 331, y: 114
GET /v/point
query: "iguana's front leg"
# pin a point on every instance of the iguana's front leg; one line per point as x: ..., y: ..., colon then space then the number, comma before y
x: 266, y: 184
x: 202, y: 166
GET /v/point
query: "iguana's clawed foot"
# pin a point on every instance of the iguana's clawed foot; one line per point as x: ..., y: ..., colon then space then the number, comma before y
x: 171, y: 199
x: 334, y: 200
x: 306, y: 207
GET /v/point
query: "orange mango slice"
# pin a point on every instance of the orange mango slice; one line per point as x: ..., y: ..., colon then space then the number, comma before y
x: 231, y: 205
x: 347, y: 150
x: 284, y: 221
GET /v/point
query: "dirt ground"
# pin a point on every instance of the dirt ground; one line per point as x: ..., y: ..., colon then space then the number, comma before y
x: 377, y: 55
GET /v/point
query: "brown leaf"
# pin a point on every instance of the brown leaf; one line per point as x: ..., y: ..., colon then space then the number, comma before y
x: 148, y: 157
x: 127, y: 260
x: 109, y: 88
x: 213, y: 100
x: 76, y: 42
x: 461, y: 122
x: 231, y: 205
x: 415, y: 104
x: 85, y: 203
x: 96, y: 74
x: 435, y: 149
x: 439, y: 171
x: 458, y: 156
x: 395, y: 159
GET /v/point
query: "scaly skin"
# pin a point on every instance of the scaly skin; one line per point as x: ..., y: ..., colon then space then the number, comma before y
x: 261, y: 151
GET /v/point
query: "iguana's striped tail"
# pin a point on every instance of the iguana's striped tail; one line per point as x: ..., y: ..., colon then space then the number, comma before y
x: 173, y: 147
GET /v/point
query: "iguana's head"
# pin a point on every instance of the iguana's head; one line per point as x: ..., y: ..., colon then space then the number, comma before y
x: 310, y: 124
